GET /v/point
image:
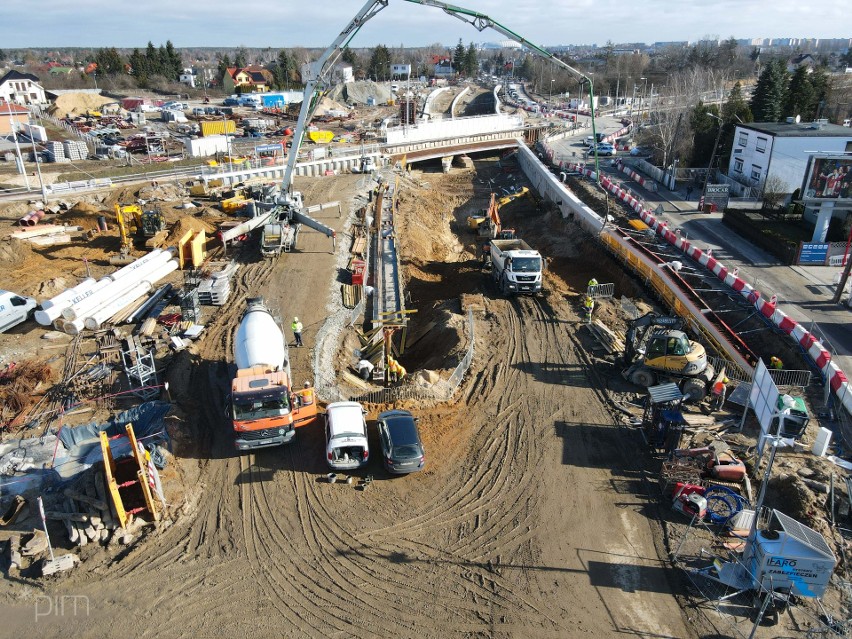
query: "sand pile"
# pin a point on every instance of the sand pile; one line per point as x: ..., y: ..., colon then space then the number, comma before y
x: 185, y: 224
x: 77, y: 104
x: 15, y: 252
x: 358, y: 92
x: 327, y: 104
x: 85, y: 215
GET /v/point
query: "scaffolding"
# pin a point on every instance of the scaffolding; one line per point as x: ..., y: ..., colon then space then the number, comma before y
x: 140, y: 369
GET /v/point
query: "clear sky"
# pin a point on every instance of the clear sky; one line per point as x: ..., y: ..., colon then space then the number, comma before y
x: 315, y: 23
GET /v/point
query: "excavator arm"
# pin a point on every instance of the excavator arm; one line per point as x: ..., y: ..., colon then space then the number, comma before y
x: 480, y: 22
x: 318, y: 72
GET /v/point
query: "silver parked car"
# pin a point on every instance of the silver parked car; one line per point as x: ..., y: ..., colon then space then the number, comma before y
x: 346, y: 444
x: 401, y: 446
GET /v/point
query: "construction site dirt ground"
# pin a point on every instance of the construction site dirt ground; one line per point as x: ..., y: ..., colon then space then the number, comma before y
x: 534, y: 516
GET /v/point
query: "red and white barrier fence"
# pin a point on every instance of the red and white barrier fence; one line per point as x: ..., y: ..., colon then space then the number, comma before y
x: 836, y: 378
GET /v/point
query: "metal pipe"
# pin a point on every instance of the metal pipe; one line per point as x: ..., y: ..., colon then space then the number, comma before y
x: 147, y: 306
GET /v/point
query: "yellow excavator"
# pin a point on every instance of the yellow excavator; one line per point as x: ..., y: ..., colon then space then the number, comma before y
x: 488, y: 225
x: 657, y: 350
x: 132, y: 219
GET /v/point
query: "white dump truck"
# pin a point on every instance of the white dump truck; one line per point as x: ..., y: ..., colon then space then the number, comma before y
x: 516, y: 267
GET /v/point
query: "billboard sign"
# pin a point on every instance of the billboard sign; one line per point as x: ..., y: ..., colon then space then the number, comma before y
x: 828, y: 178
x: 813, y: 253
x: 717, y: 194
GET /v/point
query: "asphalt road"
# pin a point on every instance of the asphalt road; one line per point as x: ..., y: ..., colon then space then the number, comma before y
x: 804, y: 292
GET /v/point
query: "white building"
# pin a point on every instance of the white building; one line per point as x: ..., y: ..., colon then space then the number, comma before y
x: 780, y: 151
x: 21, y: 88
x: 188, y: 77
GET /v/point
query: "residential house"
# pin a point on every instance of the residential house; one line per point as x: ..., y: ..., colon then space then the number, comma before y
x: 443, y: 66
x: 802, y: 60
x: 188, y: 77
x: 21, y: 88
x: 251, y: 79
x: 343, y: 74
x: 10, y: 112
x: 779, y: 152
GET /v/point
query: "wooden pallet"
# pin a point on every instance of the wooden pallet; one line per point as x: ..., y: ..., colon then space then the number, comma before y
x: 359, y: 246
x: 351, y: 295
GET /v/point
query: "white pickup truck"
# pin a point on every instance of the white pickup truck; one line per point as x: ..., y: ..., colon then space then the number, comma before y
x: 14, y: 309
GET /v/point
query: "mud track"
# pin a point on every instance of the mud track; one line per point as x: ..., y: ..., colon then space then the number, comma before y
x: 532, y: 519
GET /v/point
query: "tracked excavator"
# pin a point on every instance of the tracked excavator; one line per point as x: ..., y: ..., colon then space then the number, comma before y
x: 131, y: 218
x: 657, y: 350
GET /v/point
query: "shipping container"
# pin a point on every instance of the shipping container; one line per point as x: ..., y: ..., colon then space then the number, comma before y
x: 204, y: 147
x: 34, y: 132
x: 217, y: 127
x: 321, y: 137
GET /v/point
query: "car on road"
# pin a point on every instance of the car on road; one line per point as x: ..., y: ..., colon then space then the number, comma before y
x: 604, y: 148
x: 641, y: 151
x: 346, y: 445
x: 402, y: 450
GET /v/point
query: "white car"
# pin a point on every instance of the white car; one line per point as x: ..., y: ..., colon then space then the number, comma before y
x: 14, y: 309
x: 346, y: 445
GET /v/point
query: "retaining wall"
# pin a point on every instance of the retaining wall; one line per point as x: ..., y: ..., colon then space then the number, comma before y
x: 821, y: 357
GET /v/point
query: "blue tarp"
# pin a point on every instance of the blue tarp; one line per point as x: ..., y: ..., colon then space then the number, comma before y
x: 83, y: 442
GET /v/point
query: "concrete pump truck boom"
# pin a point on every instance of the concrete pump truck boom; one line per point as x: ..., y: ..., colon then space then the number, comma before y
x: 263, y: 406
x: 287, y: 206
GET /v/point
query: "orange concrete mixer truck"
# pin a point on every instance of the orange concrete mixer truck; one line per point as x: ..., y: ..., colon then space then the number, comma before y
x: 263, y: 406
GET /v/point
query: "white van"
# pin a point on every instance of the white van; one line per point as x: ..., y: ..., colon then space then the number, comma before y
x: 14, y: 309
x: 250, y: 100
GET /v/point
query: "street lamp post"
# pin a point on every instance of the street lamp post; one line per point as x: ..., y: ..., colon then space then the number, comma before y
x: 712, y: 156
x: 550, y: 99
x: 642, y: 99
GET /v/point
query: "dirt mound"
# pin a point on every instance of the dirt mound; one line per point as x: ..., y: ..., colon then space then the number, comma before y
x: 360, y: 92
x: 53, y: 286
x: 327, y: 104
x: 187, y: 223
x: 77, y: 103
x: 15, y: 252
x: 85, y: 215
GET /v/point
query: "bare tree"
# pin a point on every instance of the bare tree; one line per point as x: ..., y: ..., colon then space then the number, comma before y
x: 774, y: 192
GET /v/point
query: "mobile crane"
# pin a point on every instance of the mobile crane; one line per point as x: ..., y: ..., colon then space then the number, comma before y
x: 287, y: 204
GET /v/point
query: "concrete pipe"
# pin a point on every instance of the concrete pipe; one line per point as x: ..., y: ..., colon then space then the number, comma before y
x: 100, y: 315
x: 52, y: 308
x: 116, y: 287
x: 126, y: 270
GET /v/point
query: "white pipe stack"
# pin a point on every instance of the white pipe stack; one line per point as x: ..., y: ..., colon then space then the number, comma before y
x: 52, y: 308
x: 93, y: 321
x: 126, y: 270
x: 116, y: 287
